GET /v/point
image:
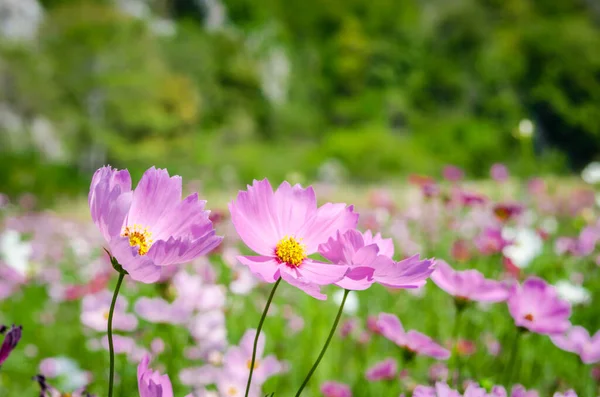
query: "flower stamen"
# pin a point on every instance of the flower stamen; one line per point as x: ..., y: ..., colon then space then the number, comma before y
x: 290, y: 251
x: 138, y: 236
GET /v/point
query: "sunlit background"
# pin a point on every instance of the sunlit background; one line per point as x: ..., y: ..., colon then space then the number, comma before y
x: 353, y: 90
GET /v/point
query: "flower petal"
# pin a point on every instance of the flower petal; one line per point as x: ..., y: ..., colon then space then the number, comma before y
x: 312, y: 289
x: 324, y: 224
x: 265, y: 267
x: 156, y: 194
x: 140, y: 267
x: 293, y: 205
x: 253, y: 217
x: 321, y: 273
x: 109, y: 200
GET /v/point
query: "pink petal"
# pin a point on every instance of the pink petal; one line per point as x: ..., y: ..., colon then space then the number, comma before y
x: 293, y: 205
x: 265, y: 267
x: 252, y: 214
x: 321, y: 273
x: 140, y: 267
x: 311, y: 289
x: 324, y: 224
x: 156, y: 194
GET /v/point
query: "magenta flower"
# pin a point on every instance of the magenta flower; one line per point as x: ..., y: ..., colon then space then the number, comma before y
x: 367, y: 266
x: 490, y: 241
x: 153, y: 384
x: 413, y: 341
x: 335, y: 389
x: 285, y: 227
x: 383, y: 370
x: 536, y: 306
x: 568, y: 393
x: 150, y: 227
x: 468, y: 284
x: 11, y: 339
x: 520, y: 391
x: 237, y: 360
x: 577, y: 340
x: 499, y: 172
x: 443, y: 390
x: 452, y: 173
x: 506, y: 211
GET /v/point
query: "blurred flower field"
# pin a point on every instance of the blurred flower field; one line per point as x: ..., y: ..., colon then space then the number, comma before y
x: 509, y: 297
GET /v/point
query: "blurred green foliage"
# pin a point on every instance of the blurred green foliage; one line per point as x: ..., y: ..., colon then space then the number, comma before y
x: 383, y: 88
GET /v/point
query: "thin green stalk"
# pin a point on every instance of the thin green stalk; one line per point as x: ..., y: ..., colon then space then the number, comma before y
x: 456, y: 359
x: 509, y: 371
x: 325, y: 346
x: 260, y: 324
x: 111, y: 348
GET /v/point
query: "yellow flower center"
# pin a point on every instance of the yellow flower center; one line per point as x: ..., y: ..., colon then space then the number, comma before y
x: 249, y: 364
x: 138, y: 236
x: 232, y: 391
x: 290, y: 251
x: 105, y: 314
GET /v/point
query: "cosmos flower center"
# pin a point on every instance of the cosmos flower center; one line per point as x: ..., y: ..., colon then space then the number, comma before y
x: 249, y: 364
x: 138, y: 236
x: 105, y: 314
x: 528, y: 317
x: 290, y: 251
x: 232, y: 391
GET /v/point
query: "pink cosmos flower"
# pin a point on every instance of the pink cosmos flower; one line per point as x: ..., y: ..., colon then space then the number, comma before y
x: 237, y: 360
x: 153, y: 384
x: 414, y: 341
x: 383, y: 370
x: 158, y: 310
x: 150, y: 227
x: 577, y: 340
x: 10, y: 280
x: 95, y: 308
x: 535, y: 305
x: 361, y: 254
x: 468, y: 284
x: 520, y: 391
x: 443, y: 390
x: 285, y: 227
x: 453, y: 173
x: 490, y: 241
x: 499, y: 172
x: 506, y: 211
x: 11, y: 339
x: 335, y: 389
x: 568, y: 393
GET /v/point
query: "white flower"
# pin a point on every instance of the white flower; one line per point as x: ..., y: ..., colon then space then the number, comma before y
x: 591, y: 173
x: 526, y: 246
x: 573, y: 293
x: 526, y: 128
x: 351, y: 305
x: 15, y: 252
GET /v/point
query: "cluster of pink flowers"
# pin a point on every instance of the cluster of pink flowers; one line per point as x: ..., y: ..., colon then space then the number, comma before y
x: 154, y: 236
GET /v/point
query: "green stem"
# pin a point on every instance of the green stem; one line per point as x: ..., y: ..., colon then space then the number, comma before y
x: 455, y: 332
x: 325, y: 346
x: 509, y: 371
x: 260, y: 324
x: 111, y: 348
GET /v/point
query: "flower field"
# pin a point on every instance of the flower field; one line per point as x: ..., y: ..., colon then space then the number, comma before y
x: 430, y: 287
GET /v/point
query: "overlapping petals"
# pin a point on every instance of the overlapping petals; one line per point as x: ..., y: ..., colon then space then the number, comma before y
x: 264, y: 219
x: 150, y: 227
